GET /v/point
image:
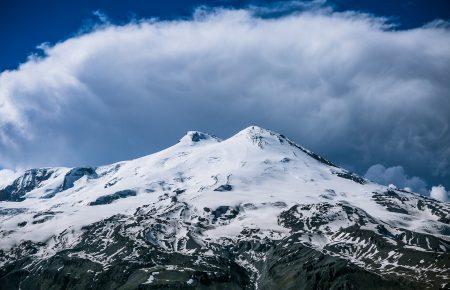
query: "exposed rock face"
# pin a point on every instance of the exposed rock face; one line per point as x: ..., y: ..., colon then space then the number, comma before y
x: 107, y: 199
x: 30, y: 180
x: 75, y: 174
x: 255, y: 211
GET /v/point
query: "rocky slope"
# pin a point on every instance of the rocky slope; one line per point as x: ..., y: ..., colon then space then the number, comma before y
x: 255, y: 211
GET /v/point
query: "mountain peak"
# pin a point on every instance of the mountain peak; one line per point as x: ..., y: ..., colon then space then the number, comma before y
x: 192, y: 137
x: 257, y: 133
x: 264, y: 138
x: 261, y: 137
x: 255, y: 130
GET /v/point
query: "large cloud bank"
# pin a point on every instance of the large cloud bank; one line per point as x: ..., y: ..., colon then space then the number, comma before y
x: 344, y: 84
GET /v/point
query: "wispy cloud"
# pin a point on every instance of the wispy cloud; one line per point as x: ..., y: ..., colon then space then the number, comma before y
x: 102, y: 17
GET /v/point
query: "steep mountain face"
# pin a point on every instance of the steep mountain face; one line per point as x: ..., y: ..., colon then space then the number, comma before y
x: 255, y: 211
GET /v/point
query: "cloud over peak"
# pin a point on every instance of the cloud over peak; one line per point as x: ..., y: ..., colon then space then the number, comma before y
x: 343, y: 84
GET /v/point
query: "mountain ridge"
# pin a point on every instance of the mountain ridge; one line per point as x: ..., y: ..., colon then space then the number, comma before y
x: 245, y: 202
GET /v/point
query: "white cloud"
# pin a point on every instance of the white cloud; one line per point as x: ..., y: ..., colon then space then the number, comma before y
x: 343, y: 84
x: 439, y: 193
x: 396, y: 176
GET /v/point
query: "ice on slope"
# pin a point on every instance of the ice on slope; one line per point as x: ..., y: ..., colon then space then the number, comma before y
x: 260, y: 167
x: 7, y: 176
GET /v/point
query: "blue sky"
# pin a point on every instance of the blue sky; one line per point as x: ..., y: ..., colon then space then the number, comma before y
x: 364, y: 83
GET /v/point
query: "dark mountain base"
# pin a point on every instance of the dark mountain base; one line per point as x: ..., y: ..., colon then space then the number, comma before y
x: 120, y: 261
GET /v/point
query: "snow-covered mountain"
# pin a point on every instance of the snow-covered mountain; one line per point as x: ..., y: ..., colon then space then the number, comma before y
x: 255, y: 211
